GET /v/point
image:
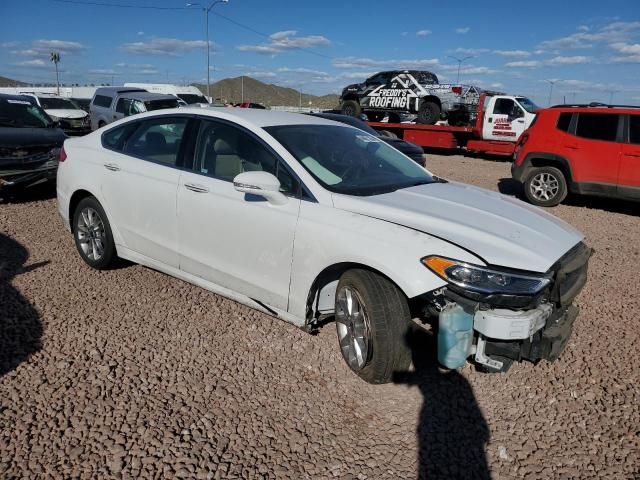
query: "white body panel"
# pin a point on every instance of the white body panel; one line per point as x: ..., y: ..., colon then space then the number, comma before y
x: 254, y: 251
x: 67, y: 113
x: 503, y: 127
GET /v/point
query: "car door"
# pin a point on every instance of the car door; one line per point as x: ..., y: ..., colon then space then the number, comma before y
x: 235, y: 240
x: 141, y: 175
x: 629, y: 172
x: 594, y: 149
x: 504, y: 120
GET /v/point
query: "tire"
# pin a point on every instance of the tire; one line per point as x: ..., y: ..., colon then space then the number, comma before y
x: 394, y: 118
x: 372, y: 338
x: 375, y: 116
x: 545, y: 187
x: 428, y: 113
x: 91, y: 230
x: 387, y: 133
x: 351, y: 108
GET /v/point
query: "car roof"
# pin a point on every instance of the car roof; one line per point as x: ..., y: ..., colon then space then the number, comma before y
x: 253, y: 116
x: 114, y: 90
x: 144, y: 96
x: 8, y: 96
x: 596, y: 107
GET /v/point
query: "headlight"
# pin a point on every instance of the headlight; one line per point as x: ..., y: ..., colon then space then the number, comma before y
x: 485, y: 280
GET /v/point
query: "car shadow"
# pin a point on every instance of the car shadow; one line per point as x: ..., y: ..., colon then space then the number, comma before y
x: 452, y: 432
x: 34, y: 193
x: 509, y: 186
x: 20, y: 325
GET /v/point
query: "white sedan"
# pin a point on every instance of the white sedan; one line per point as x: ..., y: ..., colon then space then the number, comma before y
x: 307, y: 219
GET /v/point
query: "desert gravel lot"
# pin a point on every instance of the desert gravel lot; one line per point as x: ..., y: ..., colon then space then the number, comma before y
x: 131, y: 373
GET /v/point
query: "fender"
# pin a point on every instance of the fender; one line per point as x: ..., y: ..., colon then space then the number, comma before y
x: 542, y: 159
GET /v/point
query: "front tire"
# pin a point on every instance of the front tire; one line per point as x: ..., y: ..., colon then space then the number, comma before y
x: 545, y: 187
x: 372, y: 321
x: 351, y: 108
x: 92, y: 234
x: 428, y: 113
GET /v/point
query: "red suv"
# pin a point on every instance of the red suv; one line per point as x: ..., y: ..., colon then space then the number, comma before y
x: 586, y: 149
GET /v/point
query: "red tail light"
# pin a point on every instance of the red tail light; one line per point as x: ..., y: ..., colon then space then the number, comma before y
x: 63, y: 155
x: 457, y: 90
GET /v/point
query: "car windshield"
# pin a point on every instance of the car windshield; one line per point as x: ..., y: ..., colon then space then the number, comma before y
x: 21, y: 113
x: 160, y: 104
x: 190, y: 98
x: 349, y: 161
x: 55, y: 103
x: 528, y: 105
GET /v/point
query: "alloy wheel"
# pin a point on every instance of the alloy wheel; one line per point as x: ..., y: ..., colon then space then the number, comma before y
x: 90, y: 232
x: 544, y: 186
x: 352, y: 323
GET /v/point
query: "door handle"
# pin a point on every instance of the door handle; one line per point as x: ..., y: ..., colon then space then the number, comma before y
x: 194, y: 187
x: 112, y: 167
x: 490, y: 119
x: 520, y: 121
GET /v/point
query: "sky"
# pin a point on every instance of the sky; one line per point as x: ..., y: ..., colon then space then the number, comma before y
x: 578, y: 51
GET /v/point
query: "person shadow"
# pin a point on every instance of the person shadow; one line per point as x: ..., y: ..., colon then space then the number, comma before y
x: 452, y: 432
x: 20, y: 325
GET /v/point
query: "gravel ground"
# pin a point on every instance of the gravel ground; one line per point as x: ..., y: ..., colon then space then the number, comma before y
x: 131, y: 373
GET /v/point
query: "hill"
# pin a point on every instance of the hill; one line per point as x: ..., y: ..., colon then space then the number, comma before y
x: 9, y: 82
x: 230, y: 90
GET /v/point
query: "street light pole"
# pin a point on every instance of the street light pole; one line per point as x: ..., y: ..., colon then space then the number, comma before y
x: 206, y: 11
x: 460, y: 60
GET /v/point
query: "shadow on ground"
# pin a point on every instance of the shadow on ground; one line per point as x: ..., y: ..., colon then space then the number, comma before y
x: 452, y: 432
x: 20, y: 326
x: 35, y: 193
x: 509, y: 186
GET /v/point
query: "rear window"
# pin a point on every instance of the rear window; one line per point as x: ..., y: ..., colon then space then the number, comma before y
x: 634, y: 129
x: 598, y: 126
x: 160, y: 104
x: 564, y: 120
x: 102, y: 101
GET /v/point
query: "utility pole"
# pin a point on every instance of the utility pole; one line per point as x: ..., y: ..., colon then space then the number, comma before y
x: 552, y: 83
x: 460, y: 60
x: 242, y: 89
x: 206, y: 11
x: 55, y: 58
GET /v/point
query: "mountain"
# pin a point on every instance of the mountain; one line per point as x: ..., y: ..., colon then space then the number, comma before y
x: 8, y: 82
x: 230, y: 90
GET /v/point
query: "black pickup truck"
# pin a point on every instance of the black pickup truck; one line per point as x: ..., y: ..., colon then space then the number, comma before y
x: 410, y: 92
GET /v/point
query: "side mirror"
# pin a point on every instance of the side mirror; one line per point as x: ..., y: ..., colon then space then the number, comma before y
x: 262, y: 184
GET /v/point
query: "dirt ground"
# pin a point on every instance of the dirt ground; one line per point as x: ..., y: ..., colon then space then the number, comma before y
x: 131, y: 373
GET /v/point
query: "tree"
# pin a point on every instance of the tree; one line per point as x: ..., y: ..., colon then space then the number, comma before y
x: 55, y: 58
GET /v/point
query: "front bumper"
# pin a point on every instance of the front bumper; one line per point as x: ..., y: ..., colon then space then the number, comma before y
x: 16, y: 178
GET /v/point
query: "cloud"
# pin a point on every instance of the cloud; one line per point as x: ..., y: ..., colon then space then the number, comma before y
x: 583, y: 28
x: 57, y: 45
x: 629, y: 53
x: 302, y: 71
x: 37, y: 63
x: 356, y: 62
x: 575, y: 60
x: 512, y: 53
x: 611, y: 33
x: 283, y: 41
x: 9, y: 44
x: 423, y: 33
x: 140, y: 33
x: 102, y: 71
x: 165, y: 46
x: 524, y: 64
x: 135, y: 65
x: 471, y: 51
x: 462, y: 30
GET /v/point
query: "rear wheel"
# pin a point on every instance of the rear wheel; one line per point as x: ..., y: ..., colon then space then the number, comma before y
x: 545, y: 187
x: 428, y: 113
x: 92, y: 233
x: 372, y: 321
x: 351, y: 108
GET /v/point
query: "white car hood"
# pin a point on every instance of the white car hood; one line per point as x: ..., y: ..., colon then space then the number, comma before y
x: 499, y: 229
x: 66, y: 113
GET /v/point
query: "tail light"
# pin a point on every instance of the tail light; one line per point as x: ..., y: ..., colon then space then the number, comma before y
x: 457, y: 90
x: 63, y: 155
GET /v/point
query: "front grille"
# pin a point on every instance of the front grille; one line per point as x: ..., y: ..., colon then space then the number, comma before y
x: 571, y: 274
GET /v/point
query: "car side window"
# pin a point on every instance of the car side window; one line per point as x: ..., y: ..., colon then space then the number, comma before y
x: 564, y: 121
x: 504, y: 106
x: 634, y: 129
x: 123, y: 105
x: 598, y: 126
x: 378, y: 79
x: 223, y: 151
x: 114, y: 138
x: 157, y: 140
x: 102, y: 101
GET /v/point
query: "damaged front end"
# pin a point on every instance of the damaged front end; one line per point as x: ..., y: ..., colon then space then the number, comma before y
x: 27, y: 166
x: 500, y: 316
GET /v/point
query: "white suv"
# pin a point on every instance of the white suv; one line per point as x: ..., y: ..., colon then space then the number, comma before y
x: 308, y: 219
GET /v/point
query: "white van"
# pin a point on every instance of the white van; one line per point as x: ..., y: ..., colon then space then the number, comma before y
x: 188, y: 94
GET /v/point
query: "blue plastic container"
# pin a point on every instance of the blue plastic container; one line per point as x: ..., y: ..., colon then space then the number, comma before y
x: 455, y: 336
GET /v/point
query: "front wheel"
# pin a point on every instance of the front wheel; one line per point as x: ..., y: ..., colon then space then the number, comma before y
x: 545, y: 187
x: 372, y: 321
x: 92, y: 233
